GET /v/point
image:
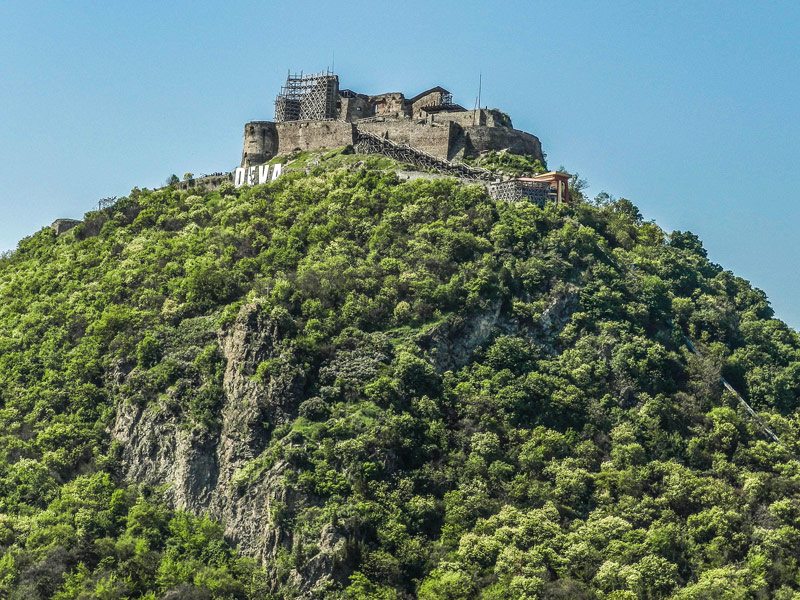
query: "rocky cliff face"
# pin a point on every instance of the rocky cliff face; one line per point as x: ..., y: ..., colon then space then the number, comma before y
x: 450, y: 345
x: 201, y: 471
x: 223, y: 472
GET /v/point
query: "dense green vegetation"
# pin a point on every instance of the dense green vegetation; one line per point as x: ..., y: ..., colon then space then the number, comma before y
x: 580, y: 450
x: 505, y: 163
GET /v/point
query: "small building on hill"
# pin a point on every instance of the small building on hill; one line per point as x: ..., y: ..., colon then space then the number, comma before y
x: 551, y: 186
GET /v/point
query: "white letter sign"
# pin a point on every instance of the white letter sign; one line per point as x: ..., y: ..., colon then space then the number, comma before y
x: 256, y: 175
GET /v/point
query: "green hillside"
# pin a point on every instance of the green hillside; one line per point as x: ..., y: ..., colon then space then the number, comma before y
x: 340, y: 385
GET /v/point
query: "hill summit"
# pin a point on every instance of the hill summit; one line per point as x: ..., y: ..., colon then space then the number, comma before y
x: 346, y: 384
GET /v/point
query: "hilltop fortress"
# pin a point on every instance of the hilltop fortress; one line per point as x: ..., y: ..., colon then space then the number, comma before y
x: 428, y: 132
x: 313, y: 113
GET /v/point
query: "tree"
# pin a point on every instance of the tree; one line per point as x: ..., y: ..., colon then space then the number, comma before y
x: 148, y: 352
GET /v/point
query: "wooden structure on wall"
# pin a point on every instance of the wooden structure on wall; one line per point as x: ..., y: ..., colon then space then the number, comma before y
x: 559, y: 184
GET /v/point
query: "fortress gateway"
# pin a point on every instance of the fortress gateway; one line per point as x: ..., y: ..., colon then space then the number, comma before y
x: 312, y: 113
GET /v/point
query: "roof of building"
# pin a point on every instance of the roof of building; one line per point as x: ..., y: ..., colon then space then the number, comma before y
x: 550, y: 175
x: 444, y: 108
x: 529, y: 180
x: 426, y: 92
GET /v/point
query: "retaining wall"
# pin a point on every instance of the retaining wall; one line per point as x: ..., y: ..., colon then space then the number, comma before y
x: 515, y: 141
x: 313, y: 135
x: 433, y: 139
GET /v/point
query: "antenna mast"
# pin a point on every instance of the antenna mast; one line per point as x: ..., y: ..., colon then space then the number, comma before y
x: 477, y: 98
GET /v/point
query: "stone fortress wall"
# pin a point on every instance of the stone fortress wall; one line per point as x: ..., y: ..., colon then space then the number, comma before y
x: 429, y: 121
x: 434, y: 139
x: 313, y: 135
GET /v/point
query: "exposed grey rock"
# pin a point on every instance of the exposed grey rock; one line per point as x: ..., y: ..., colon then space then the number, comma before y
x: 252, y: 407
x: 223, y: 473
x: 157, y: 450
x: 450, y: 344
x: 198, y: 470
x: 63, y: 225
x: 555, y: 317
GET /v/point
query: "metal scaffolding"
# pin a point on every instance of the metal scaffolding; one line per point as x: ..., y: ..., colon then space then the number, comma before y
x: 515, y: 190
x: 310, y: 97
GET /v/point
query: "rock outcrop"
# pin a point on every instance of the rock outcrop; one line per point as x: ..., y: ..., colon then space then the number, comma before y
x: 225, y: 473
x: 449, y: 345
x: 203, y: 472
x: 60, y: 226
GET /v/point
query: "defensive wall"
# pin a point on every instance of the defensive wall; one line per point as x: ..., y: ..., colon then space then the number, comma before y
x: 313, y: 113
x: 482, y: 139
x: 313, y: 135
x: 445, y: 138
x: 469, y: 118
x: 206, y: 183
x: 433, y: 139
x: 60, y: 226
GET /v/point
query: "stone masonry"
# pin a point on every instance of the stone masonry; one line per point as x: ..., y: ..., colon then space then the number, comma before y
x: 429, y: 122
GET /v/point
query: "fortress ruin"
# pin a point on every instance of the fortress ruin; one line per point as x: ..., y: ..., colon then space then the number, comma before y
x: 428, y: 131
x: 313, y: 113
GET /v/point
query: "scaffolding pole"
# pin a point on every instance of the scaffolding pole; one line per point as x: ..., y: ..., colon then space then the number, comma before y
x: 310, y: 97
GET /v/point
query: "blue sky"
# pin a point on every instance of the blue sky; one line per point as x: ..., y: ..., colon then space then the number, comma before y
x: 691, y: 110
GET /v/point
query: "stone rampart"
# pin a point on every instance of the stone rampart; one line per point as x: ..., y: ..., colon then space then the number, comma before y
x: 60, y: 226
x: 436, y: 139
x: 313, y: 135
x: 445, y: 135
x: 481, y: 139
x: 260, y: 142
x: 207, y: 183
x: 469, y: 118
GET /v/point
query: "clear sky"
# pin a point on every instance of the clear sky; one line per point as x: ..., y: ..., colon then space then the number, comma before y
x: 689, y: 109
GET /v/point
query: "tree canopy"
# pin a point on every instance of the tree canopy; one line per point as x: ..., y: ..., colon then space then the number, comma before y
x: 492, y: 407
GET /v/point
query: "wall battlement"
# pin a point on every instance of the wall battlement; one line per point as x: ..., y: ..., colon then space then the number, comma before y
x: 429, y: 121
